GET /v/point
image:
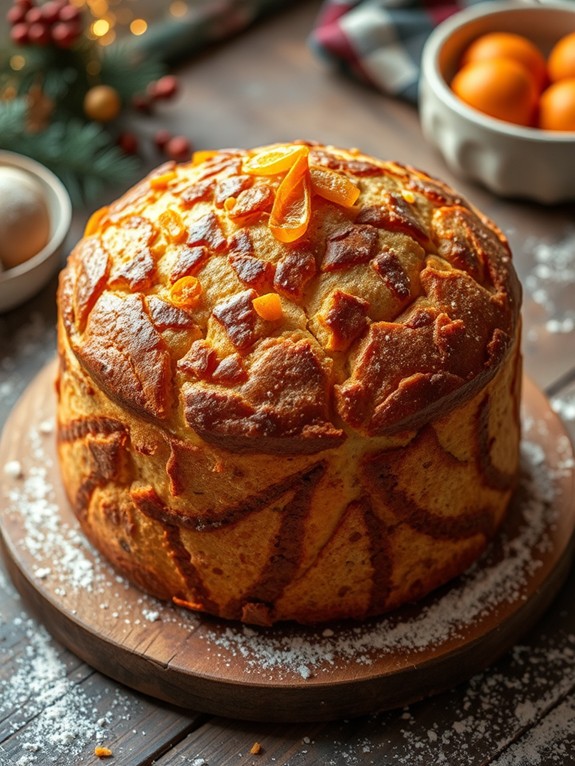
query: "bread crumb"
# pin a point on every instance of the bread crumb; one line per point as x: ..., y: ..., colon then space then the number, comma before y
x: 256, y: 749
x: 102, y: 752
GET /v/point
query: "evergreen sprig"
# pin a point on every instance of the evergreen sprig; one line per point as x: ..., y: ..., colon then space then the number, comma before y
x: 81, y: 154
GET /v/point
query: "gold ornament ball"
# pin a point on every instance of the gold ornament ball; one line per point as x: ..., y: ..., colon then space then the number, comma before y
x: 102, y: 103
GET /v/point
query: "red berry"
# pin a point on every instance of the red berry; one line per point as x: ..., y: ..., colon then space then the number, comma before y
x: 128, y: 143
x: 16, y: 14
x: 142, y: 103
x: 38, y: 34
x: 34, y: 15
x: 64, y: 34
x: 165, y: 87
x: 24, y: 4
x: 50, y: 11
x: 19, y: 34
x: 178, y: 148
x: 69, y: 13
x: 162, y: 137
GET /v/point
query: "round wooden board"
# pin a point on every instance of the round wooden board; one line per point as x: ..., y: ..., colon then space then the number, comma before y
x: 288, y: 673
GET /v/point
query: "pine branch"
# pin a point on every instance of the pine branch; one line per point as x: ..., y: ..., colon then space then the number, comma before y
x: 82, y: 155
x: 12, y: 120
x: 128, y: 71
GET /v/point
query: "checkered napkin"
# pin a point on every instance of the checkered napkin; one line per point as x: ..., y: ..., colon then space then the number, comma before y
x: 380, y: 41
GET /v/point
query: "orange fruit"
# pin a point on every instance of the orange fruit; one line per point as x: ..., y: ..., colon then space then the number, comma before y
x: 500, y: 88
x: 557, y: 106
x: 507, y: 45
x: 561, y: 60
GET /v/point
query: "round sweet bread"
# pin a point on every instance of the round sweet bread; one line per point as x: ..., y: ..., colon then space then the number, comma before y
x: 289, y: 383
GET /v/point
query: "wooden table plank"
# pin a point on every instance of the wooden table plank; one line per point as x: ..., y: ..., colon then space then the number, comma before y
x: 56, y: 709
x: 472, y: 725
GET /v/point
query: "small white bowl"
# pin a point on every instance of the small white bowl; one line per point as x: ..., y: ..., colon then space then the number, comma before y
x: 25, y: 280
x: 510, y: 160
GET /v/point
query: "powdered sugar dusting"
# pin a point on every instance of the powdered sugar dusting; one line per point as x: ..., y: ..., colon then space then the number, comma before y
x: 550, y: 281
x: 61, y: 719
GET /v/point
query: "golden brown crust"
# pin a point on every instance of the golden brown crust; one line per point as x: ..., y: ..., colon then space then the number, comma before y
x: 409, y: 261
x: 265, y: 463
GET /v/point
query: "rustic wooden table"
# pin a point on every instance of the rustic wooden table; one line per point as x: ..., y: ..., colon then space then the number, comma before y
x: 265, y: 85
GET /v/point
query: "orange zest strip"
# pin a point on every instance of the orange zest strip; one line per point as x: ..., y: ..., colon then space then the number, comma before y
x: 333, y: 186
x: 161, y: 181
x: 277, y: 159
x: 291, y: 211
x: 94, y: 221
x: 186, y: 292
x: 186, y: 604
x: 203, y: 155
x: 268, y: 306
x: 171, y: 221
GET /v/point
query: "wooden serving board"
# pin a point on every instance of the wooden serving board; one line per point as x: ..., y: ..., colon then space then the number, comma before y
x: 287, y: 673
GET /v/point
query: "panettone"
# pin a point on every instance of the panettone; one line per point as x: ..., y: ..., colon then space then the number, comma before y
x: 289, y: 383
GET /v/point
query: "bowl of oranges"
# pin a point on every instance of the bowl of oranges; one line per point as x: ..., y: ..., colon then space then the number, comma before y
x: 497, y: 96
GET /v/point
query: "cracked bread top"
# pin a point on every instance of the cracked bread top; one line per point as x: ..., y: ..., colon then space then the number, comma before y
x: 282, y: 298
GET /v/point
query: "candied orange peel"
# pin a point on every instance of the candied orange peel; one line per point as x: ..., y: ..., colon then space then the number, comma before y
x: 291, y: 210
x: 268, y: 306
x: 202, y: 155
x: 275, y: 159
x: 162, y: 181
x: 102, y: 752
x: 174, y: 225
x: 333, y: 186
x: 95, y: 220
x: 186, y: 292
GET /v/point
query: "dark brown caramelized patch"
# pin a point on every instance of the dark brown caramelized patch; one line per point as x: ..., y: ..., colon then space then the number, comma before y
x: 293, y: 271
x: 207, y: 231
x: 133, y: 265
x: 350, y: 246
x: 201, y: 191
x: 238, y: 317
x: 395, y: 214
x: 388, y: 267
x: 200, y: 361
x: 398, y: 373
x: 346, y: 319
x: 92, y: 266
x: 282, y: 407
x: 253, y: 272
x: 188, y: 261
x: 251, y: 204
x: 166, y: 316
x: 124, y: 353
x: 231, y: 187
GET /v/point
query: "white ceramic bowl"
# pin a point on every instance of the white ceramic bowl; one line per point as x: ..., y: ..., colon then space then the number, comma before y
x: 510, y: 160
x: 25, y: 280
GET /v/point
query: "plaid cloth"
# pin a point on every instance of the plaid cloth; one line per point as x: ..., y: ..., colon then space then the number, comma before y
x: 380, y: 41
